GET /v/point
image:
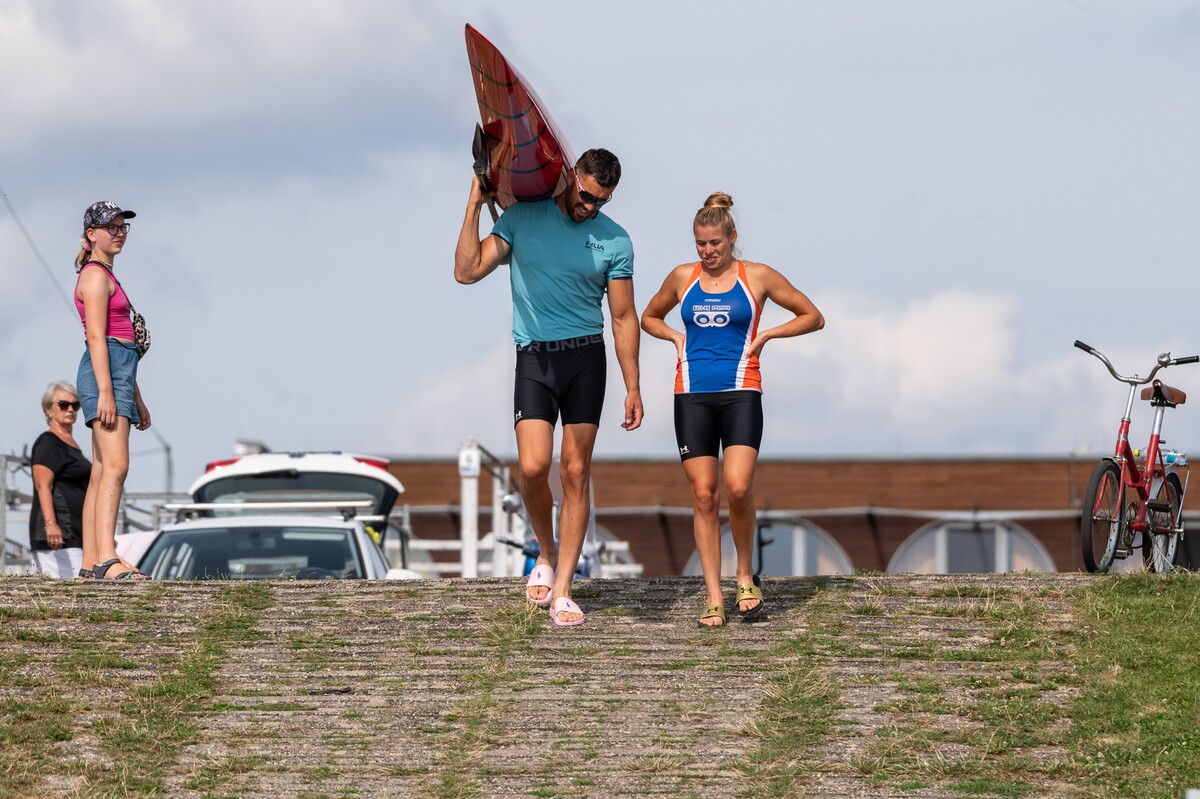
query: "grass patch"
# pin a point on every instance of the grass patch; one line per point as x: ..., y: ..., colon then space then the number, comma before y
x: 219, y: 773
x: 138, y: 731
x: 659, y: 763
x: 867, y: 609
x: 1131, y: 728
x: 970, y: 734
x: 797, y: 717
x: 29, y: 734
x: 475, y: 722
x: 1137, y: 722
x: 158, y: 721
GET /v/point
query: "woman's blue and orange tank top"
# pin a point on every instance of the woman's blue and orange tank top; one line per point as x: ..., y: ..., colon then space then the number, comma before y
x: 718, y: 330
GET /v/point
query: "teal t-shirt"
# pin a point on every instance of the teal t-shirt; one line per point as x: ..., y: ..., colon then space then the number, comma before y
x: 559, y: 270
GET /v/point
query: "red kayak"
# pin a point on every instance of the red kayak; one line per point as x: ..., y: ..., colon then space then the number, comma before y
x: 519, y: 151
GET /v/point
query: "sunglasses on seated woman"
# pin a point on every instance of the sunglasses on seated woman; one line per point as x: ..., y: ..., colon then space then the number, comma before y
x: 63, y: 405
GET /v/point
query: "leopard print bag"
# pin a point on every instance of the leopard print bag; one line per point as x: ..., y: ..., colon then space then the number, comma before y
x: 141, y: 336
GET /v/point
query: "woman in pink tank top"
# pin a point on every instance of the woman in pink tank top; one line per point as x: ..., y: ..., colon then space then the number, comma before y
x: 107, y: 382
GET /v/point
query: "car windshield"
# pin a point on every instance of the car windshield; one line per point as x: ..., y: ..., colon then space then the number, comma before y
x: 291, y: 485
x: 253, y: 553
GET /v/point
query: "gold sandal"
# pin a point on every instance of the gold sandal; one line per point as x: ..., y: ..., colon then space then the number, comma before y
x: 748, y: 592
x: 713, y: 612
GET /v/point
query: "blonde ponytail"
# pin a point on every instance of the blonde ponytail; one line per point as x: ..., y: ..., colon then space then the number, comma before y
x: 85, y: 252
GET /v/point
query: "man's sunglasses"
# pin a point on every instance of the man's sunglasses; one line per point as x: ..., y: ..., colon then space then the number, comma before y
x: 588, y: 198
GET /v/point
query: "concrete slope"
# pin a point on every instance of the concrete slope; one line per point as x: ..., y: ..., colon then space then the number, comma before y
x: 867, y: 686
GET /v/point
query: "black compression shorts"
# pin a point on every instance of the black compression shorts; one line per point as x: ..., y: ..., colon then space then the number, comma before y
x: 705, y: 423
x: 566, y: 377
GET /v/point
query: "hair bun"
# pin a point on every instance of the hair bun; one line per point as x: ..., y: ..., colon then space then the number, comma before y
x: 718, y: 199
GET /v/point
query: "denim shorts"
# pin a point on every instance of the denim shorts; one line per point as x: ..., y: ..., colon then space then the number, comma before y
x: 122, y: 364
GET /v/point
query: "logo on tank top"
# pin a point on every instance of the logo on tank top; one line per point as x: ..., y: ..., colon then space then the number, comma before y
x: 711, y: 315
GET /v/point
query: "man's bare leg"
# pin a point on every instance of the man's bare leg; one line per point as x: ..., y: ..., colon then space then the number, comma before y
x: 575, y: 470
x: 535, y: 450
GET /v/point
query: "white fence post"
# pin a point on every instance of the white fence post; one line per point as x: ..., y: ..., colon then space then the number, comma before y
x: 468, y: 471
x: 502, y: 554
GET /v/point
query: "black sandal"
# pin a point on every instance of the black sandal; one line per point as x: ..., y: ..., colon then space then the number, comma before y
x: 87, y: 574
x: 101, y: 569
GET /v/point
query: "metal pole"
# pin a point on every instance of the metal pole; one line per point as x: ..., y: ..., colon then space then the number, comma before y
x: 405, y: 536
x: 170, y: 465
x: 3, y: 510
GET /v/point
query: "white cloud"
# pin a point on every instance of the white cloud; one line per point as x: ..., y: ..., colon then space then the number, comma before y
x: 436, y: 412
x: 933, y: 375
x: 159, y: 74
x: 930, y: 376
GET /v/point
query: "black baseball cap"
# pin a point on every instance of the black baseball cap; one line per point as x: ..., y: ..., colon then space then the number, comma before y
x: 103, y: 212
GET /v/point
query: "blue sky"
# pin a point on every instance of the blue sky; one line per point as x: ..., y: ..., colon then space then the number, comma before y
x: 962, y: 188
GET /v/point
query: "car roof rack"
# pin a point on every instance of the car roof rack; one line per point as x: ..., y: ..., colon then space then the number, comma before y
x: 347, y: 509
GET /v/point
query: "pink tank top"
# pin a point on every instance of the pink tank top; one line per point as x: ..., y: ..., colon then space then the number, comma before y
x: 119, y: 323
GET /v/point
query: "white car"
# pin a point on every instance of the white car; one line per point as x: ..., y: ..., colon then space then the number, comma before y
x: 307, y: 515
x: 248, y: 547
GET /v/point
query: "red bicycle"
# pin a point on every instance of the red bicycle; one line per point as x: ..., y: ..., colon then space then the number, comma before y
x: 1126, y: 496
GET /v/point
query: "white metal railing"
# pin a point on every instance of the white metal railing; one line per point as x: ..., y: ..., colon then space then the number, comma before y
x: 479, y: 555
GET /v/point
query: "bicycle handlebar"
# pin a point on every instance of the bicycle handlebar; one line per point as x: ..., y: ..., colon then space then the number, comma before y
x: 1164, y: 360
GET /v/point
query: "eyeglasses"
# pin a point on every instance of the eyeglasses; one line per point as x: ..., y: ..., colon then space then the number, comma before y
x: 63, y: 405
x: 589, y: 198
x: 115, y: 229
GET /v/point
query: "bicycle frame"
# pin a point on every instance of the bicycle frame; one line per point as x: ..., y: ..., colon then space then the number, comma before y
x: 1146, y: 481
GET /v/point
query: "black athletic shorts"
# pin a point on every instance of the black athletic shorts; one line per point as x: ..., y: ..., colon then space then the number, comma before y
x: 566, y: 377
x: 705, y: 423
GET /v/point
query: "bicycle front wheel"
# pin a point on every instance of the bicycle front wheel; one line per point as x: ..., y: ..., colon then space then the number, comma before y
x: 1103, y: 519
x: 1164, y: 541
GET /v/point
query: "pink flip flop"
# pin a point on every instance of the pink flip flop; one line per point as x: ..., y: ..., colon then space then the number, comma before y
x: 563, y: 605
x: 542, y: 575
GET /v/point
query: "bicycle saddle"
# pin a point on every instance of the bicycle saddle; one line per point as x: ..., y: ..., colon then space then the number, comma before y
x: 1159, y: 393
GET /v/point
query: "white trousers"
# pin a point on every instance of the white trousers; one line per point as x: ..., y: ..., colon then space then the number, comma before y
x: 64, y: 563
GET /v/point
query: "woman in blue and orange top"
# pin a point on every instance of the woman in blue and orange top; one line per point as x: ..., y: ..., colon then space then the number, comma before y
x: 718, y: 387
x: 107, y: 381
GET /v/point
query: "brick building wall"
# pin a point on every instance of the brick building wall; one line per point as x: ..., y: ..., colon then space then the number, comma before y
x: 631, y: 495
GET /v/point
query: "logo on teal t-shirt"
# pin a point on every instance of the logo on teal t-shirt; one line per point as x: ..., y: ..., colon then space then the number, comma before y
x: 558, y: 285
